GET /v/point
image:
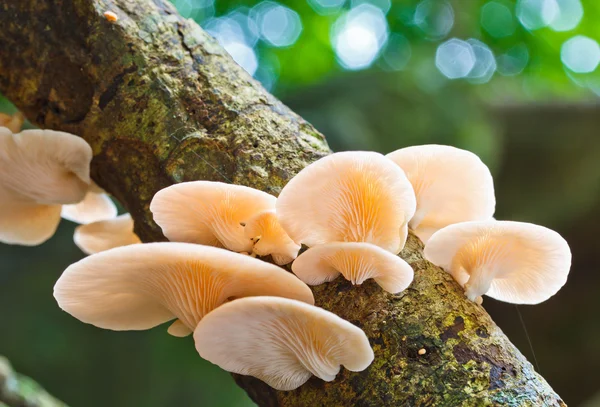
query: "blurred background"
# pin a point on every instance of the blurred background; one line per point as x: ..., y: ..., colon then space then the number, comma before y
x: 513, y: 81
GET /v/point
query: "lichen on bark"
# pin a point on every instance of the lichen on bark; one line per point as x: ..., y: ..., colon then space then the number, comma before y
x: 160, y: 102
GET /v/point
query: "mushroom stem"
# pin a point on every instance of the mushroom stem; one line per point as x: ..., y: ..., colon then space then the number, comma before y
x: 479, y: 283
x: 416, y: 220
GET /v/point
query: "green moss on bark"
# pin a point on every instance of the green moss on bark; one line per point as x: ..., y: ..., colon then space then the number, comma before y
x: 160, y: 102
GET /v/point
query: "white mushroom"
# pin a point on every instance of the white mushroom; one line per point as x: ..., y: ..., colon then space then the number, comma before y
x: 280, y: 341
x: 513, y: 262
x: 141, y: 286
x: 451, y: 185
x: 209, y: 213
x: 40, y: 170
x: 348, y: 197
x: 269, y: 238
x: 95, y: 207
x: 357, y: 262
x: 107, y: 234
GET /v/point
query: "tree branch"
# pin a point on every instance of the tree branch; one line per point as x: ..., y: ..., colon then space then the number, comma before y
x: 160, y: 102
x: 17, y: 390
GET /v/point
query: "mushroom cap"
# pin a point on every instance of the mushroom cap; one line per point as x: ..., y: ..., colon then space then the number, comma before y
x: 357, y: 262
x: 452, y: 185
x: 515, y: 262
x: 280, y: 341
x: 348, y: 197
x: 140, y: 286
x: 106, y: 234
x: 26, y: 223
x: 44, y: 166
x: 269, y: 238
x: 96, y: 206
x: 208, y: 213
x: 13, y: 123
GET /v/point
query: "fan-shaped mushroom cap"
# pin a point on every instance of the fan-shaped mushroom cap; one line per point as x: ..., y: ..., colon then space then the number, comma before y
x: 280, y: 341
x: 96, y: 206
x: 268, y: 237
x: 107, y: 234
x: 140, y: 286
x: 26, y: 223
x: 39, y: 171
x: 357, y: 262
x: 451, y: 185
x: 13, y: 123
x: 44, y: 166
x: 513, y: 262
x: 348, y: 197
x: 209, y: 213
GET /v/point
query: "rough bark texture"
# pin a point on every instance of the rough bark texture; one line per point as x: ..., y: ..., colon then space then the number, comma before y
x: 160, y: 102
x: 20, y: 391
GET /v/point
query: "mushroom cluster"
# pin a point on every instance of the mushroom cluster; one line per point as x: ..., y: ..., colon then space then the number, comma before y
x: 45, y: 175
x: 352, y: 212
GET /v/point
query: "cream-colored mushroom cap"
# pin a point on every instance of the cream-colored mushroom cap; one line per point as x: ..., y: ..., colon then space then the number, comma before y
x: 451, y: 185
x: 209, y: 213
x: 140, y: 286
x: 513, y: 262
x: 280, y: 341
x: 39, y: 171
x: 348, y: 197
x: 95, y: 207
x: 269, y: 238
x: 106, y: 234
x: 357, y: 262
x: 12, y: 122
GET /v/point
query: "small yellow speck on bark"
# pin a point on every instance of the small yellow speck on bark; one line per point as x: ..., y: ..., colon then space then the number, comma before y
x: 111, y: 16
x: 422, y: 352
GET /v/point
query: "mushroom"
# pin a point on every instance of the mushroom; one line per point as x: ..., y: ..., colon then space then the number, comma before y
x: 209, y: 213
x: 513, y: 262
x: 281, y: 341
x: 268, y: 237
x: 357, y: 262
x: 141, y: 286
x: 451, y: 185
x: 40, y: 170
x: 96, y: 206
x: 106, y: 234
x: 348, y: 197
x: 13, y: 123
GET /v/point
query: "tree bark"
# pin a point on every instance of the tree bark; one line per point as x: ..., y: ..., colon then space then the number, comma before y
x: 160, y: 102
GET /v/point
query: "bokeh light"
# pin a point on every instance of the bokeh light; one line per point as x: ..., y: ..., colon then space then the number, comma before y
x: 497, y: 20
x: 580, y: 54
x: 359, y: 35
x: 570, y: 13
x: 435, y: 18
x: 536, y: 14
x: 397, y: 52
x: 455, y: 58
x: 485, y: 63
x: 234, y: 38
x: 383, y: 5
x: 326, y: 7
x: 279, y: 26
x: 514, y: 61
x: 196, y: 9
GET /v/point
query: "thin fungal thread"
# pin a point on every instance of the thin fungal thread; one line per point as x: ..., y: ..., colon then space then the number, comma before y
x: 537, y: 365
x: 172, y: 135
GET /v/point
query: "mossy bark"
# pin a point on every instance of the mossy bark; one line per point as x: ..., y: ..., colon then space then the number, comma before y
x: 20, y: 391
x: 160, y: 102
